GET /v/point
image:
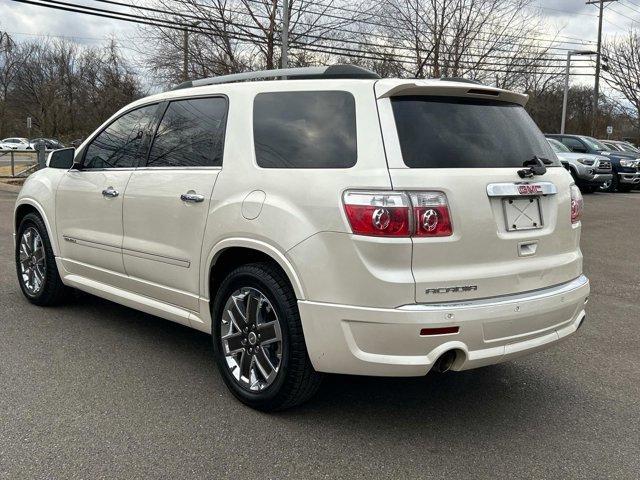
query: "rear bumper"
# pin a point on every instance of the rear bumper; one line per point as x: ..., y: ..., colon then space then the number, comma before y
x: 387, y: 342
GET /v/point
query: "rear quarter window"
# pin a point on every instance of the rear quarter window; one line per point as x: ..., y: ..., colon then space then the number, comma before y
x: 314, y: 129
x: 449, y: 132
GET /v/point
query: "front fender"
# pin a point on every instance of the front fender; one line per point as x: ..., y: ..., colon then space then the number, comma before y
x: 39, y: 193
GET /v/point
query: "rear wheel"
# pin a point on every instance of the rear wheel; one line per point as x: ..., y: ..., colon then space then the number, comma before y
x: 258, y: 341
x: 36, y: 265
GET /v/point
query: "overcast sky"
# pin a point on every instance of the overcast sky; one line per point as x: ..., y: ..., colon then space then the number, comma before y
x: 22, y: 21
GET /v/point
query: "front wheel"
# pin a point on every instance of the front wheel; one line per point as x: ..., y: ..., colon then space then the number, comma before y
x: 36, y: 265
x: 258, y: 342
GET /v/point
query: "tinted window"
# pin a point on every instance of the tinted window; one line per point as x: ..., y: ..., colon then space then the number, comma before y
x: 191, y: 134
x: 557, y: 146
x: 594, y: 144
x: 117, y: 145
x: 445, y: 132
x: 574, y: 144
x: 305, y: 130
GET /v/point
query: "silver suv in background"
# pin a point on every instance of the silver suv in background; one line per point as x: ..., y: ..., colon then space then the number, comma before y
x: 590, y: 172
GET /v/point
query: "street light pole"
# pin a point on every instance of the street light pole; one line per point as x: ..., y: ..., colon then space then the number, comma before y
x: 567, y: 72
x: 285, y: 34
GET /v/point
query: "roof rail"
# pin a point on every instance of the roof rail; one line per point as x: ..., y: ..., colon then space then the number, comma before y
x: 306, y: 73
x: 461, y: 80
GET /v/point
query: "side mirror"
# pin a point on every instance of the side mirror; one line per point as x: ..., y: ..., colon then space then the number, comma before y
x: 62, y: 158
x: 579, y: 149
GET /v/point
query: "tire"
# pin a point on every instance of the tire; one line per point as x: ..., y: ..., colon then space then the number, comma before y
x: 613, y: 186
x: 624, y: 188
x: 43, y: 285
x: 292, y: 379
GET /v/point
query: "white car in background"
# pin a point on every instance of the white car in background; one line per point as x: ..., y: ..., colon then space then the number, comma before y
x: 16, y: 143
x: 331, y: 222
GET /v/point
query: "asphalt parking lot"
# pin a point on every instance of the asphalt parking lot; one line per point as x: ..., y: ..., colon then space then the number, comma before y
x: 96, y: 390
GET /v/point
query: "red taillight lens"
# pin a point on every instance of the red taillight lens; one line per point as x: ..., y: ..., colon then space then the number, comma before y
x: 431, y: 213
x: 384, y: 214
x: 393, y: 214
x: 577, y: 204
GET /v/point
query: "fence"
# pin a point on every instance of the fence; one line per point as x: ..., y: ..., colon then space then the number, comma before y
x: 22, y: 163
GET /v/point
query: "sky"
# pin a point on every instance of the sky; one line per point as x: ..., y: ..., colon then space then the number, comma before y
x: 577, y: 21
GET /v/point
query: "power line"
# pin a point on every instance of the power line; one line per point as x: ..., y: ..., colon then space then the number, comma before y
x: 539, y: 49
x: 256, y: 39
x: 347, y: 41
x: 387, y: 25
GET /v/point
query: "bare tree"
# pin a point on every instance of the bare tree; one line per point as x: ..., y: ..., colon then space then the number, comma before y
x: 227, y: 36
x: 624, y: 71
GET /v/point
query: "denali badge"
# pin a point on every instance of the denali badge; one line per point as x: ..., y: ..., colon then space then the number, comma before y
x: 466, y: 288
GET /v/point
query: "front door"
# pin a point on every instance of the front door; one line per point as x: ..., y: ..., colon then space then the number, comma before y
x: 167, y: 201
x: 89, y: 199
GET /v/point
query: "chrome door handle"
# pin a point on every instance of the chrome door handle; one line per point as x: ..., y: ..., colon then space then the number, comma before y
x: 110, y: 192
x: 192, y: 197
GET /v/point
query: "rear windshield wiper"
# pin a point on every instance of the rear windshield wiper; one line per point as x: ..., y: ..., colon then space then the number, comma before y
x: 536, y: 167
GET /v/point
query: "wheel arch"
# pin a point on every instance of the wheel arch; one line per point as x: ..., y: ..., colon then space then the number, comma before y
x: 23, y: 207
x: 233, y: 252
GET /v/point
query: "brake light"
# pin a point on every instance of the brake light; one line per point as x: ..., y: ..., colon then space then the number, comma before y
x: 384, y: 214
x: 577, y: 204
x: 431, y: 213
x: 398, y: 214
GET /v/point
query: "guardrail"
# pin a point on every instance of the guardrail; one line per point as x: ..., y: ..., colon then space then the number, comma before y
x: 30, y: 160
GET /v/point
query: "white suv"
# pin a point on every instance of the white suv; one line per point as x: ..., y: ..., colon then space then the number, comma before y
x: 328, y: 222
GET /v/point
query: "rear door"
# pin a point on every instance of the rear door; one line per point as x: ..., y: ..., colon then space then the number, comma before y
x: 510, y: 234
x: 167, y: 201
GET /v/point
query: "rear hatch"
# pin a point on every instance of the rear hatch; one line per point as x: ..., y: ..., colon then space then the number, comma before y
x: 509, y: 235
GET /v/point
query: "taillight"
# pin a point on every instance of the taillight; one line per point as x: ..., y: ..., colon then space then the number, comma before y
x: 384, y: 214
x: 431, y: 214
x: 398, y: 214
x: 577, y: 204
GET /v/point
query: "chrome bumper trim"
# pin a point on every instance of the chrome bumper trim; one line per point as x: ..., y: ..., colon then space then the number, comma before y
x: 581, y: 281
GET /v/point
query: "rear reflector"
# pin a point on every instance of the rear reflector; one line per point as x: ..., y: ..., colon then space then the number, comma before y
x: 439, y: 331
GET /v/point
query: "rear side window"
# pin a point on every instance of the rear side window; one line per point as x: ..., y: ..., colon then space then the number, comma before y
x: 117, y: 146
x: 305, y: 129
x: 190, y: 134
x: 447, y: 132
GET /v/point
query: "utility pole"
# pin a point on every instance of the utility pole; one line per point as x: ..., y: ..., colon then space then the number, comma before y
x: 285, y: 34
x: 596, y: 90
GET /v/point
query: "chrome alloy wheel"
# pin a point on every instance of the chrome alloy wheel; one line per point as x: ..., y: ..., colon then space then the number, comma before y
x: 32, y: 261
x: 251, y: 339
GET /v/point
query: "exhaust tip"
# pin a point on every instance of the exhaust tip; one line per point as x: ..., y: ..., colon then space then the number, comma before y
x: 445, y: 361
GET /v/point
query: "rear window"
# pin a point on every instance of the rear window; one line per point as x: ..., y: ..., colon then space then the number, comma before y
x: 446, y: 132
x: 305, y: 129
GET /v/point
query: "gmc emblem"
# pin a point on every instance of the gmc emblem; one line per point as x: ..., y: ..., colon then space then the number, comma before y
x: 530, y: 189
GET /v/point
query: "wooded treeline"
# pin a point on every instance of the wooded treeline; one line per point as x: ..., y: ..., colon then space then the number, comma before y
x: 68, y: 90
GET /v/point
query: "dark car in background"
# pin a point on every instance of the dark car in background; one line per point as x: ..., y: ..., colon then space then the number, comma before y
x: 625, y: 165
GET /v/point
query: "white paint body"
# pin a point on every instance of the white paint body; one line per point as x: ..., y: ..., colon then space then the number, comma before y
x: 361, y: 299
